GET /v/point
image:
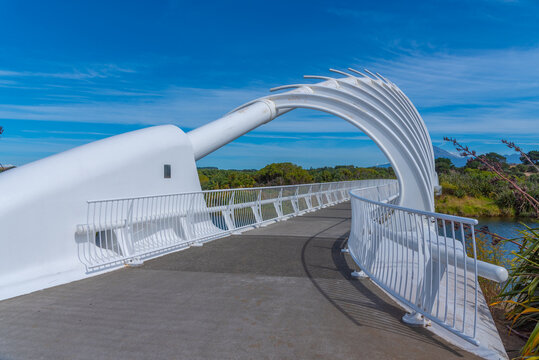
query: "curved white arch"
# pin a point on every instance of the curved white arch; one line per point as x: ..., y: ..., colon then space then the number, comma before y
x: 46, y: 252
x: 376, y: 106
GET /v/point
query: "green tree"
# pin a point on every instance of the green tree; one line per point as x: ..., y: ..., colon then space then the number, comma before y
x: 533, y: 155
x: 343, y: 174
x: 495, y: 158
x: 204, y: 180
x: 240, y: 180
x: 443, y: 165
x: 473, y: 164
x: 521, y: 168
x: 286, y: 174
x: 282, y: 174
x: 322, y: 175
x: 491, y: 157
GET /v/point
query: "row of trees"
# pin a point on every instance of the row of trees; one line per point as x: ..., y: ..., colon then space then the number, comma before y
x: 444, y: 165
x: 478, y: 183
x: 477, y: 180
x: 286, y: 174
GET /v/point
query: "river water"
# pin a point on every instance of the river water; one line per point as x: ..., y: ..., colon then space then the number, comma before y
x: 508, y: 228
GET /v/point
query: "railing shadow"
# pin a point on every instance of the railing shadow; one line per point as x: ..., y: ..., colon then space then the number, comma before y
x: 360, y: 300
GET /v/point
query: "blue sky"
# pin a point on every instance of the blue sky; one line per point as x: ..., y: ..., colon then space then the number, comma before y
x: 73, y: 72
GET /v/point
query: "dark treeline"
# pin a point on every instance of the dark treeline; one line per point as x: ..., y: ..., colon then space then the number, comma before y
x: 286, y: 174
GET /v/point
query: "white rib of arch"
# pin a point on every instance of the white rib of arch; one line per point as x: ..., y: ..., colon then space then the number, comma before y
x: 374, y: 105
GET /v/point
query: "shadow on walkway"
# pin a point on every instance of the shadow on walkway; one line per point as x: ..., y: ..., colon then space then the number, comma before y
x: 361, y: 301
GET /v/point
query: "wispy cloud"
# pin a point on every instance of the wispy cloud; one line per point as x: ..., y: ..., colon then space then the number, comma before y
x: 19, y: 150
x: 484, y: 91
x: 271, y: 136
x: 189, y: 107
x: 183, y: 106
x: 264, y: 134
x: 61, y: 132
x: 101, y: 71
x: 482, y: 77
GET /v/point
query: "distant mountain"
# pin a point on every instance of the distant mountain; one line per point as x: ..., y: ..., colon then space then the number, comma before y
x: 460, y: 161
x: 457, y: 160
x: 513, y: 159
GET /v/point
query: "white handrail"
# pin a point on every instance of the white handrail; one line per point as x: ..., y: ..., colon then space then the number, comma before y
x: 427, y: 261
x: 130, y: 229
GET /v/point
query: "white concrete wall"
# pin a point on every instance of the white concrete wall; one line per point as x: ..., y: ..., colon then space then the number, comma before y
x: 42, y: 202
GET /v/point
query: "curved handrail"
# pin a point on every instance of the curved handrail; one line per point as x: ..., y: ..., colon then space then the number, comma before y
x: 486, y: 270
x: 427, y: 261
x: 126, y: 229
x: 465, y: 220
x: 349, y: 182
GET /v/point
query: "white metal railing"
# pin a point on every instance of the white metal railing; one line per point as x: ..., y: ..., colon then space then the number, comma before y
x: 427, y: 261
x: 131, y: 229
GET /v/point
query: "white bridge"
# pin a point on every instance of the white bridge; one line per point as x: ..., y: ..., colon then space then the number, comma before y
x: 136, y: 196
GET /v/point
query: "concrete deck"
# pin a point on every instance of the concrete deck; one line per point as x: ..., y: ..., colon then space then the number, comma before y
x: 279, y: 292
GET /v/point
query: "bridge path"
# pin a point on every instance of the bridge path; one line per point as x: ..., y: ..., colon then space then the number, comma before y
x: 278, y: 292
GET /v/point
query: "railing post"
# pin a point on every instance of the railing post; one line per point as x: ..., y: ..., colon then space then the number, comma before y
x: 295, y: 202
x: 319, y: 197
x: 190, y: 229
x: 328, y: 195
x: 308, y: 199
x: 257, y: 208
x: 124, y: 237
x: 228, y: 213
x: 277, y: 204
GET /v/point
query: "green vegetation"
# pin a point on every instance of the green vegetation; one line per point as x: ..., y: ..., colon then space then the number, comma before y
x: 469, y: 206
x: 488, y: 249
x: 521, y: 292
x: 515, y: 188
x: 286, y: 174
x: 533, y: 156
x: 475, y: 191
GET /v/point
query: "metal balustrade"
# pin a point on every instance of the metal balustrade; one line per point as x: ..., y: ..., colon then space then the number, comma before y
x: 129, y: 230
x: 427, y: 261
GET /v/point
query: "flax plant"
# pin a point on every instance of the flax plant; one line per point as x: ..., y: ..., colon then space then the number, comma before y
x: 520, y: 294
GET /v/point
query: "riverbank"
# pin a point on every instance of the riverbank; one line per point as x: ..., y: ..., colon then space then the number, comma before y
x: 469, y: 206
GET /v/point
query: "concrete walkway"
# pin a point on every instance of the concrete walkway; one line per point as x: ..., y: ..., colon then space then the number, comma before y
x: 279, y: 292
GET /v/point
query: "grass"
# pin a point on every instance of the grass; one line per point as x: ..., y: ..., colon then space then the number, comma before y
x: 469, y: 206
